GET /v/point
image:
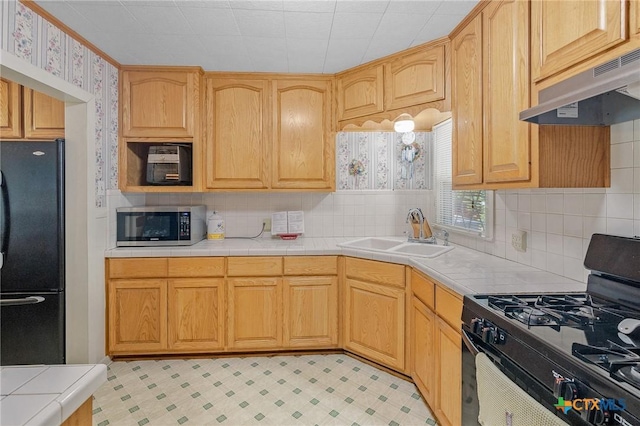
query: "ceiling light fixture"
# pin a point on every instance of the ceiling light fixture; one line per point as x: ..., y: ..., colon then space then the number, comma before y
x: 404, y: 123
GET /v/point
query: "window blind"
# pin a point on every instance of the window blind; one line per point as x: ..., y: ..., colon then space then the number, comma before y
x: 465, y: 211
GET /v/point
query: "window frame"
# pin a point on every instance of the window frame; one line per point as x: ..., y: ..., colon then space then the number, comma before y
x: 438, y: 179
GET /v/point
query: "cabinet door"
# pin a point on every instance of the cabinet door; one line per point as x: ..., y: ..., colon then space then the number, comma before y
x: 415, y: 79
x: 374, y: 322
x: 506, y: 91
x: 237, y: 128
x: 634, y: 17
x: 159, y: 103
x: 310, y: 312
x: 564, y: 33
x: 255, y: 313
x: 137, y: 315
x: 361, y: 93
x: 423, y: 349
x: 196, y: 312
x: 10, y: 111
x: 303, y: 146
x: 448, y: 374
x: 43, y: 116
x: 466, y: 102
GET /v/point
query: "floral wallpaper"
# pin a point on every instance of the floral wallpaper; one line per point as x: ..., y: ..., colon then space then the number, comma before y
x: 26, y: 35
x: 382, y: 161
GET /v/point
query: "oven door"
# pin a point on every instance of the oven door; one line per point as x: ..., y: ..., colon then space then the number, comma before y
x: 491, y: 397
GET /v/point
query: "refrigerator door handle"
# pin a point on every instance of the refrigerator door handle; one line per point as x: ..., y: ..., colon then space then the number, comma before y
x: 6, y: 221
x: 31, y: 300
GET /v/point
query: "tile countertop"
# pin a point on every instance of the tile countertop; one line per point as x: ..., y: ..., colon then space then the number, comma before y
x: 463, y: 270
x: 46, y: 394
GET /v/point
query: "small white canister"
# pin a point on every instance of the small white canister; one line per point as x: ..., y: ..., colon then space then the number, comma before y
x: 215, y: 226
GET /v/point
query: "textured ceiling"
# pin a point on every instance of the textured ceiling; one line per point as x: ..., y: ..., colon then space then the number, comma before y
x: 300, y: 36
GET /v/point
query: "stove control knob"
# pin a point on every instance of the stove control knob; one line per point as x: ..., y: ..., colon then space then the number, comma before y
x: 596, y: 417
x: 489, y: 334
x: 566, y: 389
x: 570, y: 391
x: 476, y: 325
x: 492, y: 334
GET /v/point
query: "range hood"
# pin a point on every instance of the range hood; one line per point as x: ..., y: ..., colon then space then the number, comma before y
x: 601, y: 96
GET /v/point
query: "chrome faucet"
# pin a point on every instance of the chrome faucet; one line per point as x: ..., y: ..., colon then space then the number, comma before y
x: 415, y: 215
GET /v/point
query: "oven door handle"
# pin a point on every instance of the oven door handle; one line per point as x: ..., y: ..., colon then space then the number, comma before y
x: 475, y: 350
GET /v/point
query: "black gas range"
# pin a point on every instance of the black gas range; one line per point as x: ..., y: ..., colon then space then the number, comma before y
x: 575, y: 354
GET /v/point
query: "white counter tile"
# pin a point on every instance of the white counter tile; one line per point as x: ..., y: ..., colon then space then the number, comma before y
x: 19, y: 409
x: 11, y: 378
x: 53, y: 380
x: 50, y: 396
x: 72, y: 398
x: 49, y: 415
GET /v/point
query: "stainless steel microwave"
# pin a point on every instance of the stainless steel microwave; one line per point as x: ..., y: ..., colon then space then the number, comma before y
x: 160, y: 225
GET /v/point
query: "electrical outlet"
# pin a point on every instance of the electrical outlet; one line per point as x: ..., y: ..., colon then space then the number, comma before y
x: 267, y: 224
x: 519, y: 240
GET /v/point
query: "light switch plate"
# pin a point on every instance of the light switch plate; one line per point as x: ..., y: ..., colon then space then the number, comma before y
x: 519, y: 241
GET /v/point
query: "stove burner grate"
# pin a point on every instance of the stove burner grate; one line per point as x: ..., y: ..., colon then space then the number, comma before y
x: 623, y: 364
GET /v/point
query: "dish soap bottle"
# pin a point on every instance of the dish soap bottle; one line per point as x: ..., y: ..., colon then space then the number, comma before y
x: 215, y: 226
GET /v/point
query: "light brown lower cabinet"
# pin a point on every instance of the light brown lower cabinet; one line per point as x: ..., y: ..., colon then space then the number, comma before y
x: 196, y: 314
x: 448, y: 377
x: 423, y: 349
x: 374, y: 322
x: 186, y: 305
x: 310, y: 311
x: 436, y: 347
x: 137, y: 315
x: 255, y: 313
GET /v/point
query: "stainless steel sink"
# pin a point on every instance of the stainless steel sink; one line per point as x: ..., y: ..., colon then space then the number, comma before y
x: 399, y: 247
x: 372, y: 243
x: 421, y: 250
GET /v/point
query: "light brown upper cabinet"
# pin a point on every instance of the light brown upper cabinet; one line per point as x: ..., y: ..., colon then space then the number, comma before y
x: 10, y: 113
x: 27, y: 114
x: 564, y: 33
x: 505, y: 58
x: 43, y: 116
x: 237, y: 123
x: 415, y: 79
x: 403, y: 82
x: 490, y: 86
x: 268, y: 132
x: 491, y: 147
x: 303, y: 147
x: 159, y: 102
x: 360, y: 92
x: 466, y: 102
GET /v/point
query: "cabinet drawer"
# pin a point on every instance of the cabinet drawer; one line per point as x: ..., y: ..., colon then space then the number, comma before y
x: 311, y: 265
x: 196, y: 267
x: 423, y: 289
x: 254, y: 266
x: 138, y: 267
x: 449, y: 307
x: 375, y: 272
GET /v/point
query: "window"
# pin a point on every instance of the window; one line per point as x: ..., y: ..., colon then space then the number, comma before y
x: 468, y: 212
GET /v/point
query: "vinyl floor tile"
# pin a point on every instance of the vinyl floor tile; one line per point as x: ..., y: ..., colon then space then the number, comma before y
x: 278, y: 390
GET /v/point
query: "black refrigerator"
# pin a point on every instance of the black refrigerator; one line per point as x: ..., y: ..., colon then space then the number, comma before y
x: 32, y: 298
